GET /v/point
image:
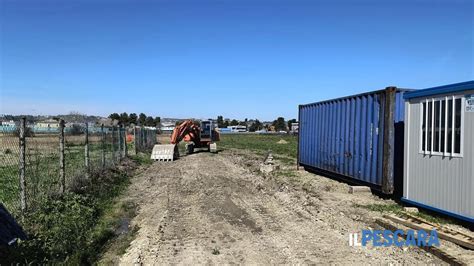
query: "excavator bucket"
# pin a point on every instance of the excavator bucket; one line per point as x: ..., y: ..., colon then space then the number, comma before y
x: 165, y: 152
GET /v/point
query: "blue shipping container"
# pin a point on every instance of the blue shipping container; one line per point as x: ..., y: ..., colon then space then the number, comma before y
x: 345, y: 136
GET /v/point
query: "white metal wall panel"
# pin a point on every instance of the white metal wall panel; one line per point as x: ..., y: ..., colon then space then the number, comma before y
x: 442, y: 182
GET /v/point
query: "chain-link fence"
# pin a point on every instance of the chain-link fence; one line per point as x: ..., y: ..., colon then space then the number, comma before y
x: 144, y: 139
x: 36, y: 165
x: 9, y: 157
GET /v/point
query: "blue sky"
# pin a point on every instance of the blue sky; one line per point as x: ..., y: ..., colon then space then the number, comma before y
x: 239, y: 59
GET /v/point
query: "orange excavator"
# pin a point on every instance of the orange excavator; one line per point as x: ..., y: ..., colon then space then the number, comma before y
x: 197, y: 137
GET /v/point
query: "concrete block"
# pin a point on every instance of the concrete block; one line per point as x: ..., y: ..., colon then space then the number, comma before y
x: 267, y: 168
x: 213, y: 147
x: 359, y: 189
x: 411, y: 209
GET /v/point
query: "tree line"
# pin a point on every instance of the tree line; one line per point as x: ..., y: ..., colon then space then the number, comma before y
x: 141, y: 119
x: 279, y: 124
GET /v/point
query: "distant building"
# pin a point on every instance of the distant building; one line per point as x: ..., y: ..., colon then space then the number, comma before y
x: 107, y: 122
x: 167, y: 127
x: 49, y: 123
x: 268, y: 125
x: 71, y: 124
x: 224, y: 130
x: 295, y: 127
x: 148, y: 127
x: 238, y: 128
x: 9, y: 123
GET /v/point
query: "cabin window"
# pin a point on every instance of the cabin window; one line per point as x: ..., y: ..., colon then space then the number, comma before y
x: 441, y: 127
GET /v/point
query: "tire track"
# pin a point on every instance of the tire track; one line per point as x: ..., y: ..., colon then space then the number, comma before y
x: 205, y: 208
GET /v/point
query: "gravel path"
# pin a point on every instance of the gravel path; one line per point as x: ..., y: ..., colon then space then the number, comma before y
x: 207, y: 208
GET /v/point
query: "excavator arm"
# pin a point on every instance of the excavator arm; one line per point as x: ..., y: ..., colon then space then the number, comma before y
x: 187, y: 130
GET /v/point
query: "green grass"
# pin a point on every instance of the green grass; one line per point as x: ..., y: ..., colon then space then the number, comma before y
x: 110, y: 221
x: 74, y: 228
x: 285, y: 173
x: 261, y: 144
x: 285, y: 159
x: 382, y: 208
x: 42, y: 173
x: 142, y: 158
x: 434, y: 219
x: 398, y: 209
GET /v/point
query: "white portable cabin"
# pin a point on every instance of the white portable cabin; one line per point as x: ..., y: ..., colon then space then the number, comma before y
x: 238, y: 128
x: 439, y: 149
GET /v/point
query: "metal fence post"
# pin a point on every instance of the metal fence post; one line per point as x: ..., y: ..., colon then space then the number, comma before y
x: 62, y: 172
x: 142, y: 138
x: 113, y: 144
x: 125, y: 148
x: 22, y: 165
x: 86, y: 152
x: 120, y: 142
x: 388, y: 141
x: 117, y: 141
x: 153, y: 133
x: 135, y: 141
x: 103, y: 145
x: 147, y: 138
x: 139, y: 139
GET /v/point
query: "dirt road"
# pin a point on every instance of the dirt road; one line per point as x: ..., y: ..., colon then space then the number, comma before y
x: 207, y: 208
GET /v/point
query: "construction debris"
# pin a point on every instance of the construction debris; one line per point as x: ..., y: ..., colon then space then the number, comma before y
x: 445, y: 254
x: 462, y: 239
x: 411, y: 209
x: 359, y: 189
x: 268, y: 164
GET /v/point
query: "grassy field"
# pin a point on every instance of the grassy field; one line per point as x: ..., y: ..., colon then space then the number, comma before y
x: 42, y: 166
x: 75, y: 227
x: 39, y: 144
x: 283, y: 147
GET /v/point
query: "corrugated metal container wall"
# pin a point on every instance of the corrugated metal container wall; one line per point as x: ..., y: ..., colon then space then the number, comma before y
x: 345, y: 135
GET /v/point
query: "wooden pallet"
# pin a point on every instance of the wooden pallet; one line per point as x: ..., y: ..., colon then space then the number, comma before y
x: 444, y: 228
x: 442, y: 253
x: 457, y: 237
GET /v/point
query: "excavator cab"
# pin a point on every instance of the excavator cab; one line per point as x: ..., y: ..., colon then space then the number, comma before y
x: 205, y: 140
x: 208, y: 131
